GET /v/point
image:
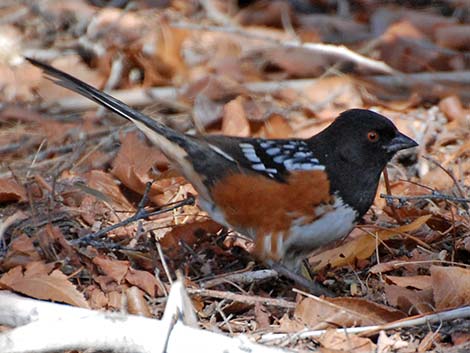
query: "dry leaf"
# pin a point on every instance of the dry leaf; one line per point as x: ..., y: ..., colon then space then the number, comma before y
x: 339, y: 342
x: 409, y: 300
x: 115, y: 269
x: 10, y: 191
x: 206, y: 112
x: 142, y: 279
x: 234, y: 122
x: 343, y: 312
x: 20, y: 252
x: 54, y: 287
x: 136, y: 303
x: 384, y: 267
x: 96, y: 298
x: 186, y: 233
x: 391, y: 343
x: 115, y: 300
x: 451, y: 286
x: 262, y: 316
x: 362, y: 247
x: 451, y: 106
x: 453, y: 37
x: 105, y: 188
x: 418, y: 282
x: 133, y: 166
x: 277, y: 127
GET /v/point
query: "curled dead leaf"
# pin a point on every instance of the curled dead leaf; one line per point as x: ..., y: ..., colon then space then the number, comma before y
x: 362, y: 247
x: 417, y: 282
x: 340, y: 342
x: 235, y: 122
x: 409, y: 300
x: 54, y: 286
x: 10, y: 191
x: 343, y: 312
x: 142, y: 279
x: 451, y: 286
x: 136, y: 303
x: 115, y: 269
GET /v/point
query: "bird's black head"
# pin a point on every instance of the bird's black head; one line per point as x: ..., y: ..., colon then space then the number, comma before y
x: 355, y: 149
x: 366, y: 138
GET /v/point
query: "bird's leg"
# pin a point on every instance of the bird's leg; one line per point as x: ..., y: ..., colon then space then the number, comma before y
x: 312, y: 286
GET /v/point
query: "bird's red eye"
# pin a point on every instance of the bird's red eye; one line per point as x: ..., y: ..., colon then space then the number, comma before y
x: 372, y: 136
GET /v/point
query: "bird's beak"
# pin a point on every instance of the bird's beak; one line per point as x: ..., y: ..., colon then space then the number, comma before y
x: 400, y: 142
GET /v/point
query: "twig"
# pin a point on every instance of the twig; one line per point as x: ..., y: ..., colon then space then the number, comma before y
x: 141, y: 213
x: 243, y: 278
x: 447, y: 315
x: 145, y: 96
x: 451, y: 175
x: 402, y: 199
x: 407, y: 80
x: 389, y: 193
x: 248, y: 299
x: 162, y: 259
x: 325, y: 49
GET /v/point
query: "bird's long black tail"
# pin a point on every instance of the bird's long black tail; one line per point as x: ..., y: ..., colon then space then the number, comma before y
x: 163, y: 136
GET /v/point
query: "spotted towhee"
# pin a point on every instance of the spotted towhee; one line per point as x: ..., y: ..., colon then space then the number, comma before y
x: 290, y: 196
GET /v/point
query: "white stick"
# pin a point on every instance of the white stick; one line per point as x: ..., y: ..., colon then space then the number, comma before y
x: 44, y: 327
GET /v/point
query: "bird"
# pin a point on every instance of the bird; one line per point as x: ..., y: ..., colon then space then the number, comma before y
x: 290, y: 196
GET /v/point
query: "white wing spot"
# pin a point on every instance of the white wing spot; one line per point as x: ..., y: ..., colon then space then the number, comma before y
x: 273, y: 151
x: 252, y: 157
x: 259, y: 166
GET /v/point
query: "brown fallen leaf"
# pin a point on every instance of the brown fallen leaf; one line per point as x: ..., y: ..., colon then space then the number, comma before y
x: 104, y: 187
x: 20, y: 252
x: 277, y: 127
x: 142, y: 279
x: 451, y: 286
x: 452, y: 108
x: 362, y: 247
x: 136, y: 303
x: 115, y: 300
x: 385, y: 266
x: 96, y: 297
x: 133, y: 165
x: 339, y: 342
x: 186, y: 233
x: 343, y: 312
x: 409, y: 300
x: 115, y: 269
x: 10, y: 191
x: 454, y: 37
x: 418, y: 282
x: 54, y: 286
x: 262, y: 317
x: 234, y: 122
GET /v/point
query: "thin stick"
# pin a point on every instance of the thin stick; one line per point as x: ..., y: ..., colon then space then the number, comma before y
x: 141, y: 213
x: 328, y: 49
x: 248, y: 299
x: 243, y: 278
x: 413, y: 321
x: 434, y: 196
